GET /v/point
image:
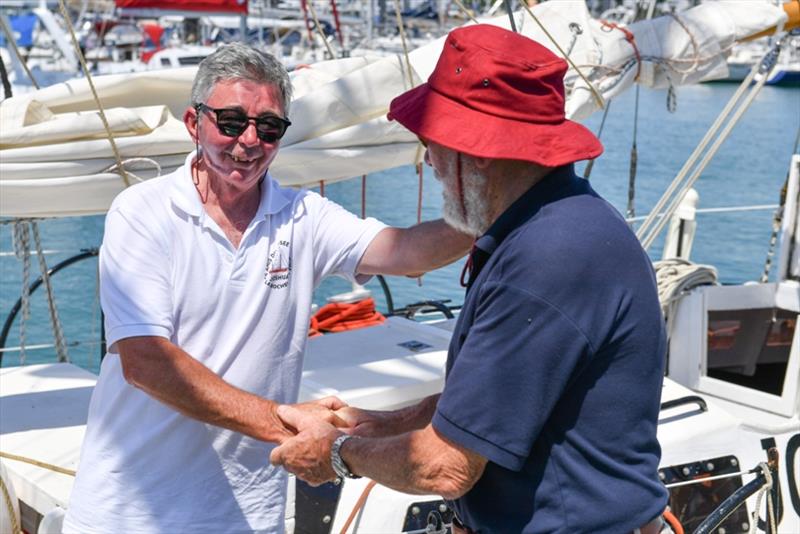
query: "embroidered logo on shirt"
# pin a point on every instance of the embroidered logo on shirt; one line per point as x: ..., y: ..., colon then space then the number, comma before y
x: 279, y: 266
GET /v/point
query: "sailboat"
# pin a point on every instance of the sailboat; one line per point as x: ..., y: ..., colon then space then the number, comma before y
x: 730, y: 415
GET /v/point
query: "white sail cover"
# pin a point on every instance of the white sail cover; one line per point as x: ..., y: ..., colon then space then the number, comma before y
x: 56, y: 159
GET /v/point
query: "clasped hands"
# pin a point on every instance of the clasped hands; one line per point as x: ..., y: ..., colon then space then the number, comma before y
x: 316, y: 425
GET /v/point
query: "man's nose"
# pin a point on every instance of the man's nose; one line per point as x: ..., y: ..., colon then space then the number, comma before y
x: 426, y: 159
x: 249, y: 136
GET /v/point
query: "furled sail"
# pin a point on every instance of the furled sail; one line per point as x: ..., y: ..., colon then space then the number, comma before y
x: 56, y: 160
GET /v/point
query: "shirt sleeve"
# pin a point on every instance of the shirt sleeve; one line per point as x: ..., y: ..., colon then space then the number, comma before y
x: 516, y: 360
x: 340, y: 239
x: 135, y: 288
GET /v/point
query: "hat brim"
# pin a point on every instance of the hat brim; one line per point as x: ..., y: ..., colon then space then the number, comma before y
x: 446, y: 122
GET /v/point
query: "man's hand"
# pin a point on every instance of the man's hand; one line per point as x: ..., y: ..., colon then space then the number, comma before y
x: 365, y: 423
x: 324, y: 409
x: 308, y: 454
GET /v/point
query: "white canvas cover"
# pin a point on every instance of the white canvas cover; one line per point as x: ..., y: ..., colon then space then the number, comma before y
x: 55, y: 159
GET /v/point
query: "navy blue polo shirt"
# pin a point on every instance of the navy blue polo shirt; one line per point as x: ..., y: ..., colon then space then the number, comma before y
x: 555, y: 368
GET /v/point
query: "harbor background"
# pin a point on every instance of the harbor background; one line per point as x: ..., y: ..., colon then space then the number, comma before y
x: 749, y: 170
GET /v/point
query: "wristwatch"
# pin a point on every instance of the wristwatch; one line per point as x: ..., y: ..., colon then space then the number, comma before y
x: 341, y: 469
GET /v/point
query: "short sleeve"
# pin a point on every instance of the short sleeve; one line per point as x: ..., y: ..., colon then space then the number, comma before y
x: 513, y: 365
x: 340, y: 239
x: 135, y: 288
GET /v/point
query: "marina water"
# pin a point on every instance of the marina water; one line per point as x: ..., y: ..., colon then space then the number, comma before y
x: 749, y: 170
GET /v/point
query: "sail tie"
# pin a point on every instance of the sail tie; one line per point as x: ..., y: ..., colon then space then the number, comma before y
x: 631, y: 39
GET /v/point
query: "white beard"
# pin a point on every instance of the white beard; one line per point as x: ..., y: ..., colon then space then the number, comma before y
x: 476, y: 203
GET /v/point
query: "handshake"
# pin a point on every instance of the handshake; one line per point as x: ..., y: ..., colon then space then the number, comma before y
x: 311, y: 429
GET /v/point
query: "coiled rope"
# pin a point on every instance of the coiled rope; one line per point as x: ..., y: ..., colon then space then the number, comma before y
x: 675, y: 278
x: 338, y: 317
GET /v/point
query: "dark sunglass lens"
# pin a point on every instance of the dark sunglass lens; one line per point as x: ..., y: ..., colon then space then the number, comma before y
x: 268, y: 137
x: 231, y: 128
x: 270, y: 129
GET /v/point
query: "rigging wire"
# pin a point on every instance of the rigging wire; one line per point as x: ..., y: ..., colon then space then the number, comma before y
x: 689, y: 173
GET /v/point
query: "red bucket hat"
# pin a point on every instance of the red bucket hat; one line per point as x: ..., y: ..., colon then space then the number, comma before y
x: 496, y: 94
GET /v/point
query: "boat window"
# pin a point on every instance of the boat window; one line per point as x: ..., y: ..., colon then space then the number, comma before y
x: 165, y: 62
x: 750, y: 347
x: 190, y: 60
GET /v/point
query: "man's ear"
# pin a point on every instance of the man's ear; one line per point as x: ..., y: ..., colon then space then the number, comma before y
x: 190, y: 119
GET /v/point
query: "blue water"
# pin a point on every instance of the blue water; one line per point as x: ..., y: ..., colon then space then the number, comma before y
x: 749, y: 169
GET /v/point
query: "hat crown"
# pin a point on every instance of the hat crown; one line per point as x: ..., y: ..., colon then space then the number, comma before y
x: 500, y: 73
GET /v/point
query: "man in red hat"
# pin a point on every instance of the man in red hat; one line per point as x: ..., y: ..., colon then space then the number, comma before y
x: 547, y: 421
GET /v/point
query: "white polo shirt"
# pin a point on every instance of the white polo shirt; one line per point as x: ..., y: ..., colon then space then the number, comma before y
x: 167, y: 269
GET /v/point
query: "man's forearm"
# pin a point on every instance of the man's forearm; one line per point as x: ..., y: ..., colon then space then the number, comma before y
x: 436, y: 244
x: 422, y: 462
x: 415, y: 250
x: 170, y: 375
x: 376, y: 423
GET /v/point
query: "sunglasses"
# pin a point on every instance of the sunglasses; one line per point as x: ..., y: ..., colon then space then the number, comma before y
x: 233, y: 123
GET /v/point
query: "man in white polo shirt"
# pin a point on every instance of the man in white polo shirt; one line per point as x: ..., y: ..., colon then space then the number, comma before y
x: 206, y: 283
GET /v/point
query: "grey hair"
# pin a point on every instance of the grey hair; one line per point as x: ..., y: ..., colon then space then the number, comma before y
x: 237, y: 61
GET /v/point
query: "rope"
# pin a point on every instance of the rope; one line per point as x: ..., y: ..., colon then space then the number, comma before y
x: 88, y: 75
x: 58, y: 332
x: 402, y: 31
x: 38, y: 463
x: 358, y: 506
x: 590, y: 165
x: 22, y: 249
x: 363, y: 196
x: 777, y: 218
x: 631, y: 39
x: 12, y: 516
x: 319, y: 28
x: 10, y: 39
x: 695, y: 46
x: 759, y: 496
x: 341, y: 316
x: 673, y: 521
x: 115, y: 166
x: 634, y: 160
x: 675, y: 278
x: 703, y: 480
x: 591, y: 87
x: 420, y: 171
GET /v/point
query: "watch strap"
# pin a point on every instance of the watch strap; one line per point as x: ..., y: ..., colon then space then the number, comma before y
x: 339, y: 467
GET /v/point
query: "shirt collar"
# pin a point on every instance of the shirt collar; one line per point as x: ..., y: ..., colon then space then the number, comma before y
x: 525, y: 207
x: 185, y: 197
